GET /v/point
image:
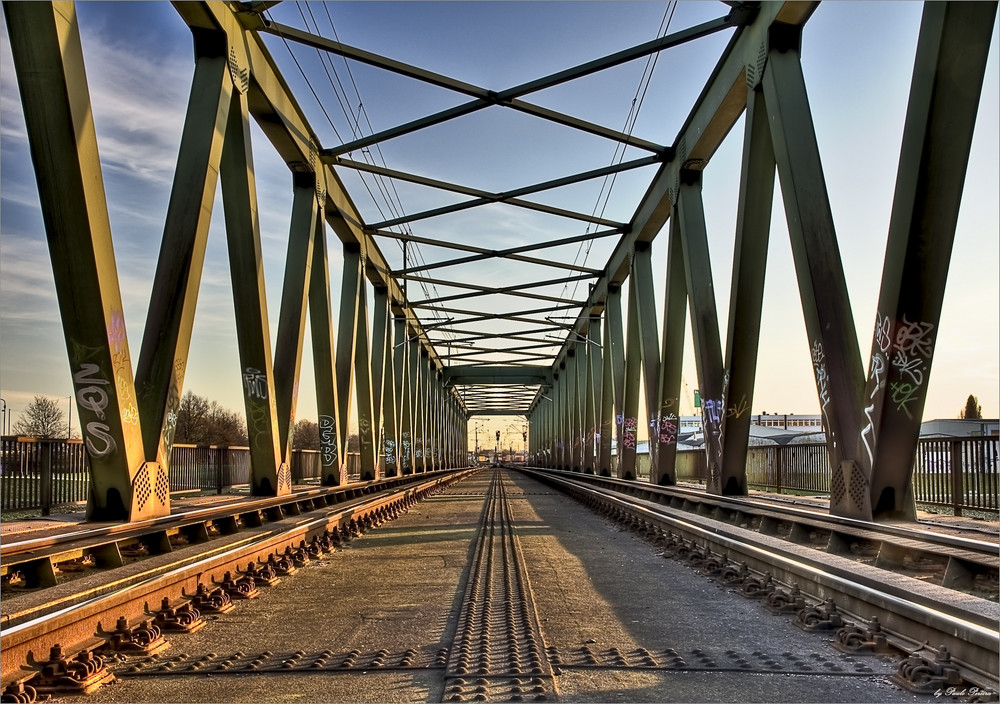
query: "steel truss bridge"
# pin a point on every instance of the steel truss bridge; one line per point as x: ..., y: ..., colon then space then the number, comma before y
x: 414, y: 391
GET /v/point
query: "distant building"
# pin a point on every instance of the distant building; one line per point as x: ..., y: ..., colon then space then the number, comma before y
x: 959, y: 428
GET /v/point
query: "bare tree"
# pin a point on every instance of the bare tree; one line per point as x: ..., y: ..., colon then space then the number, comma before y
x: 42, y: 418
x: 306, y: 435
x: 204, y: 422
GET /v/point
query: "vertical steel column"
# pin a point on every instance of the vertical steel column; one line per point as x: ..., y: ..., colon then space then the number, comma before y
x: 269, y: 475
x: 952, y: 51
x: 565, y: 422
x: 704, y: 321
x: 350, y: 289
x: 420, y: 434
x: 294, y: 305
x: 415, y: 392
x: 128, y: 482
x: 383, y: 382
x: 613, y: 379
x: 367, y: 420
x: 663, y: 471
x: 573, y: 444
x: 642, y: 269
x: 633, y: 368
x: 557, y: 417
x: 332, y: 441
x: 580, y: 407
x: 593, y: 395
x: 746, y: 298
x: 401, y: 360
x: 826, y: 307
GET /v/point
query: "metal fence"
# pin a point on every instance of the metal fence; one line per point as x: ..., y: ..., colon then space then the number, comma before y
x: 959, y: 473
x: 38, y: 473
x: 806, y: 468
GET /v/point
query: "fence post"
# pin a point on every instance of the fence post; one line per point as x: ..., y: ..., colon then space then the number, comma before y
x: 221, y: 455
x: 46, y: 472
x: 778, y: 463
x: 957, y: 477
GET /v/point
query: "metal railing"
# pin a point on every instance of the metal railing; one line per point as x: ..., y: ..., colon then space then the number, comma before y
x: 38, y: 473
x: 958, y: 473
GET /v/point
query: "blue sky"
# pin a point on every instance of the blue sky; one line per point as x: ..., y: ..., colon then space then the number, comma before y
x: 857, y: 59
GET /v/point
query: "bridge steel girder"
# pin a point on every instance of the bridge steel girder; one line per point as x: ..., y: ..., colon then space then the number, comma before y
x: 383, y: 384
x: 612, y: 379
x: 127, y: 481
x: 284, y: 124
x: 294, y: 307
x: 826, y: 306
x: 574, y: 446
x: 399, y: 370
x: 640, y: 294
x: 592, y: 401
x: 704, y: 323
x: 269, y: 474
x: 663, y: 469
x: 753, y: 222
x: 649, y: 341
x: 952, y: 52
x: 332, y: 441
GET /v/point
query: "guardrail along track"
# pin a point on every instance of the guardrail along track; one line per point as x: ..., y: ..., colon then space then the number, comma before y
x: 949, y: 638
x: 61, y: 651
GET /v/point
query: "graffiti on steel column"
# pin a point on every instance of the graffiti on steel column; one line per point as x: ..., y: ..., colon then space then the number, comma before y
x: 666, y: 431
x: 390, y: 452
x: 259, y: 425
x: 404, y: 442
x: 738, y: 409
x: 913, y: 348
x: 90, y: 396
x: 713, y: 411
x: 877, y: 378
x: 630, y: 428
x: 255, y: 384
x: 327, y: 441
x: 822, y: 380
x: 364, y: 431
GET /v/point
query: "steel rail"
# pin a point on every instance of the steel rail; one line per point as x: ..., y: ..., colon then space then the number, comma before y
x: 911, y: 613
x: 657, y: 493
x: 75, y: 628
x: 12, y: 549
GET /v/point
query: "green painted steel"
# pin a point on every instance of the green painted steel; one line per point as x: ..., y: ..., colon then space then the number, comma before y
x: 294, y: 307
x: 826, y: 307
x: 662, y: 469
x: 332, y: 441
x: 753, y: 223
x: 952, y: 51
x: 704, y: 321
x: 127, y: 480
x: 269, y: 474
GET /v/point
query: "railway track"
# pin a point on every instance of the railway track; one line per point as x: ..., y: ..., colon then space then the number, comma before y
x: 502, y: 614
x: 75, y: 624
x: 949, y: 638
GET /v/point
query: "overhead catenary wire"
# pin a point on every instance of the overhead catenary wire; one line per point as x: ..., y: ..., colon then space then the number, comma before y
x: 608, y: 183
x: 388, y: 195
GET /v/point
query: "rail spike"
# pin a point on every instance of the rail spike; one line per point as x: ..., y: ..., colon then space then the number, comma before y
x: 184, y: 618
x: 785, y: 602
x: 145, y: 638
x: 823, y: 617
x: 20, y: 693
x: 857, y: 639
x: 927, y: 672
x: 64, y: 675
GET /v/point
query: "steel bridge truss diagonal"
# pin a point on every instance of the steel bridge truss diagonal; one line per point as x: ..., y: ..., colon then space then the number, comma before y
x: 418, y: 367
